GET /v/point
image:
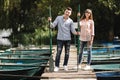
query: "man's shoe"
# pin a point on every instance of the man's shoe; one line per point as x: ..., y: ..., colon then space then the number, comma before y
x: 65, y: 68
x: 56, y: 69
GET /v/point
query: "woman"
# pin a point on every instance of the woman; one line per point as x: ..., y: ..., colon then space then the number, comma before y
x: 86, y: 36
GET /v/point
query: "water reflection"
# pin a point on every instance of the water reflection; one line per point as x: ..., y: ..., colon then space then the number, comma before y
x: 4, y: 33
x: 5, y: 41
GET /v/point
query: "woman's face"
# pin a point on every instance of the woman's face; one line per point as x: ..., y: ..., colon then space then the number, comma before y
x: 87, y: 14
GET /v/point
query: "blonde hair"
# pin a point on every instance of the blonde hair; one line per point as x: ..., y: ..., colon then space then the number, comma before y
x: 87, y: 11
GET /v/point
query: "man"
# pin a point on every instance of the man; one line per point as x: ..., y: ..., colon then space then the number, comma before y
x: 65, y: 27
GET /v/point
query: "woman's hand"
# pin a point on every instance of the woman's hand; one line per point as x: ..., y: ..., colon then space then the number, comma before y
x: 78, y: 14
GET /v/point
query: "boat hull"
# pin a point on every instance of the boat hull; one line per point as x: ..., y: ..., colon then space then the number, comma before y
x: 108, y: 75
x: 23, y: 64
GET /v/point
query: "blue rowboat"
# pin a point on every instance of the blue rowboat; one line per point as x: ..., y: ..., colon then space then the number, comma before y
x: 108, y: 75
x: 25, y: 63
x: 106, y: 67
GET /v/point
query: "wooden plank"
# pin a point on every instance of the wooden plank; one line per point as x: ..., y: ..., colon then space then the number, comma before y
x: 71, y: 73
x: 81, y: 75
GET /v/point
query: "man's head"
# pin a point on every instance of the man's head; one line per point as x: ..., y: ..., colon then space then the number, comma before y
x: 68, y: 11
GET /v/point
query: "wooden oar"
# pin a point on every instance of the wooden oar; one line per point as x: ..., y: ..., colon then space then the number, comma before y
x: 50, y: 30
x: 78, y: 41
x: 50, y: 34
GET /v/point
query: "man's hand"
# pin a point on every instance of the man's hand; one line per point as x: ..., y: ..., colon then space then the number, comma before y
x: 49, y: 19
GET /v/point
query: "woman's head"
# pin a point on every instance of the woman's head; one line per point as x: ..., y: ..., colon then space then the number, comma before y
x: 87, y: 14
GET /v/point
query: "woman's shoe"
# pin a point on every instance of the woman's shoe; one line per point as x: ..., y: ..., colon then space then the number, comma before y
x: 65, y: 68
x: 87, y: 67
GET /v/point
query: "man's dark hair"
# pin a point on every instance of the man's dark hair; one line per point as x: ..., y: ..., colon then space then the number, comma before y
x: 69, y: 8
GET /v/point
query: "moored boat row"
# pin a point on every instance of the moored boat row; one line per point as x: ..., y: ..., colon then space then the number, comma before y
x: 24, y: 62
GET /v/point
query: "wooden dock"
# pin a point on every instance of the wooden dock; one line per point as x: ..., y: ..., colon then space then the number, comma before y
x: 71, y: 74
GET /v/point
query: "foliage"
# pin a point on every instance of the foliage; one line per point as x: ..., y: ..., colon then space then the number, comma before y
x: 112, y: 5
x: 29, y: 17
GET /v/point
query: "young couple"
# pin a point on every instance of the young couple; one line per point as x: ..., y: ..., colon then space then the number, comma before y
x: 65, y: 27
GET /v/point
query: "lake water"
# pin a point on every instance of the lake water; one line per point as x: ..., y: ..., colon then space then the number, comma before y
x: 5, y: 43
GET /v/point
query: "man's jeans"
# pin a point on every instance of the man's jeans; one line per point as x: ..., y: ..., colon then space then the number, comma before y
x: 89, y: 49
x: 60, y: 44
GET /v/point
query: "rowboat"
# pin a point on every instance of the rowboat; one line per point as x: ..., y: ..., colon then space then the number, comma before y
x: 107, y: 71
x: 23, y: 63
x: 106, y: 67
x: 104, y: 58
x: 106, y: 61
x: 106, y: 64
x: 108, y: 75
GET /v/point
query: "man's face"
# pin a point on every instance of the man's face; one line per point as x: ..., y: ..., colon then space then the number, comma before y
x: 67, y: 12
